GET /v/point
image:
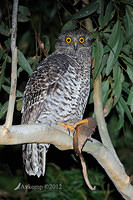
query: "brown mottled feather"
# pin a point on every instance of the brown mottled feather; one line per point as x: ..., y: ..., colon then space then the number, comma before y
x: 57, y: 92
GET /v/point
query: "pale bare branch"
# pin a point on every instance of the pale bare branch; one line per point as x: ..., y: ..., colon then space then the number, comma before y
x: 98, y: 109
x: 9, y: 116
x: 14, y: 25
x: 58, y: 136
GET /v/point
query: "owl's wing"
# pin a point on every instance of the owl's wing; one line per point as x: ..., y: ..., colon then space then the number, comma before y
x: 42, y: 83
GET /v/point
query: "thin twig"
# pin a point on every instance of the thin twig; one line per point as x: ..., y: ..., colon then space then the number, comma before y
x: 41, y: 45
x: 9, y: 116
x: 14, y: 25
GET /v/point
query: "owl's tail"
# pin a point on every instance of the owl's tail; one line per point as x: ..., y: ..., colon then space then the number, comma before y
x: 34, y: 158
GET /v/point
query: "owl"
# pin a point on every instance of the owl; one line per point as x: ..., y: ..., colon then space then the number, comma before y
x: 57, y: 92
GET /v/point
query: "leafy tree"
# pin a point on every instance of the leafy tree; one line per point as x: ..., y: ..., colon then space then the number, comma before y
x: 110, y: 24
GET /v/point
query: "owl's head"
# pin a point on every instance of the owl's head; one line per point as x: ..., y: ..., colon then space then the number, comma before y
x: 73, y: 42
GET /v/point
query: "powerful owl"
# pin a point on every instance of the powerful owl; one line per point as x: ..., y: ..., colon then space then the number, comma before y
x: 57, y: 92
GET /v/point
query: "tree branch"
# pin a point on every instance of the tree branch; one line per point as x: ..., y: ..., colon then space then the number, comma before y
x: 98, y: 109
x: 57, y: 135
x: 14, y: 25
x: 9, y: 116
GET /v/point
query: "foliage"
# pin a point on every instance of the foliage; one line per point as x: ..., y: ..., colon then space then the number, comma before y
x: 112, y: 49
x: 61, y: 189
x: 57, y: 185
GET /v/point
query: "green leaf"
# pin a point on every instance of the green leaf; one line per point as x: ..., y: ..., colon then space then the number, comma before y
x: 2, y: 74
x: 127, y: 1
x: 23, y: 63
x: 71, y: 24
x: 108, y: 14
x: 117, y: 85
x: 101, y: 12
x: 22, y: 18
x: 3, y: 109
x: 24, y: 41
x: 24, y: 10
x: 91, y: 97
x: 7, y: 81
x: 7, y: 58
x: 1, y: 52
x: 126, y: 109
x: 116, y: 49
x: 23, y: 15
x: 127, y: 59
x: 87, y: 10
x: 46, y: 41
x: 7, y: 89
x: 98, y: 55
x: 113, y: 37
x: 131, y: 44
x: 120, y: 111
x: 11, y: 180
x: 19, y: 104
x: 4, y: 30
x: 128, y: 21
x: 33, y: 61
x: 126, y: 49
x: 19, y: 94
x: 105, y: 91
x: 8, y: 43
x: 19, y: 71
x: 125, y: 87
x: 108, y: 106
x: 130, y: 72
x: 36, y: 61
x: 130, y: 99
x: 104, y: 62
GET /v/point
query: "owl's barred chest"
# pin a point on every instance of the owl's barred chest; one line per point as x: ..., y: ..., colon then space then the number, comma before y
x: 68, y: 102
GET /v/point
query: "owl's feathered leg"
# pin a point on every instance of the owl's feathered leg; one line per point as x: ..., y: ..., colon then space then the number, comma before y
x: 34, y: 158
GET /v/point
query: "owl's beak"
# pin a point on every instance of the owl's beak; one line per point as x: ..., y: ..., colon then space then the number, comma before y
x: 75, y: 45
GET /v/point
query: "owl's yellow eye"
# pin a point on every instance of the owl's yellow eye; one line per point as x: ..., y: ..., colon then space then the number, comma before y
x: 68, y: 40
x: 81, y: 40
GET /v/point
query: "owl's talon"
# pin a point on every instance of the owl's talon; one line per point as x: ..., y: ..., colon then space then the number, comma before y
x: 90, y: 140
x: 69, y: 128
x: 74, y: 132
x: 68, y: 131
